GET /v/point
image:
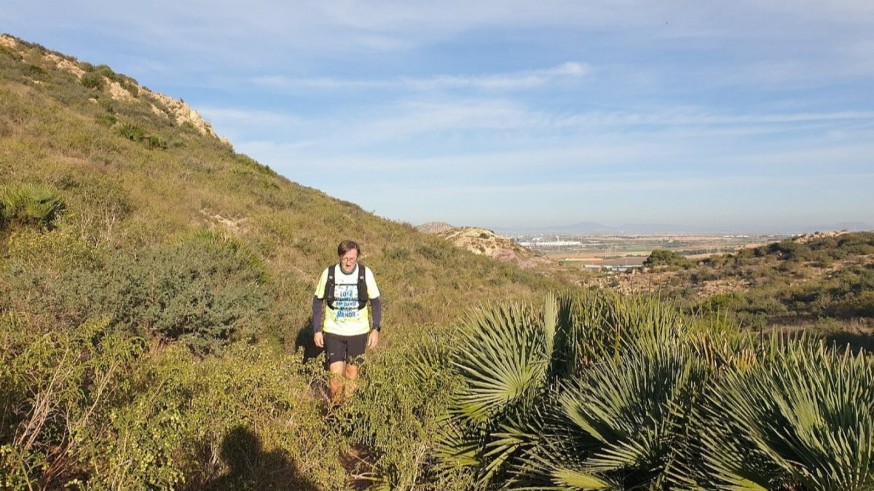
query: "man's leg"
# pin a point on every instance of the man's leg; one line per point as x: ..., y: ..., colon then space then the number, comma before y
x: 335, y: 359
x: 351, y: 376
x: 338, y: 370
x: 344, y: 354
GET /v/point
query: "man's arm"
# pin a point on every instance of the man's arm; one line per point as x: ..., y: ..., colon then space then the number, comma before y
x: 318, y: 337
x: 317, y: 314
x: 376, y: 305
x: 373, y: 337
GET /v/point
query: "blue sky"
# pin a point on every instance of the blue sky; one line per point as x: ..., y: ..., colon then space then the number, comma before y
x: 738, y: 116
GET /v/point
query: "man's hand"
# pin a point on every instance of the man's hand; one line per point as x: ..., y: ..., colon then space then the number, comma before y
x: 319, y: 339
x: 373, y: 339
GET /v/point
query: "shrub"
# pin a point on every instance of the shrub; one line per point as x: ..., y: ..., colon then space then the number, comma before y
x: 99, y: 205
x: 59, y: 389
x: 250, y: 163
x: 666, y: 258
x: 802, y: 418
x: 397, y: 415
x: 93, y: 80
x: 131, y: 131
x: 205, y: 290
x: 244, y: 420
x: 60, y: 269
x: 29, y: 204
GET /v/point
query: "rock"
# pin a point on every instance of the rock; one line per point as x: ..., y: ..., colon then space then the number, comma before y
x: 485, y: 242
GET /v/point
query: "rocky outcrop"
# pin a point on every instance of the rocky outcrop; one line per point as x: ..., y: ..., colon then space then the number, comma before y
x: 487, y: 243
x: 164, y: 106
x: 435, y: 227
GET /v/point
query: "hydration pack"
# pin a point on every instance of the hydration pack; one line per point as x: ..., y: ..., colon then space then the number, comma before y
x: 362, y: 287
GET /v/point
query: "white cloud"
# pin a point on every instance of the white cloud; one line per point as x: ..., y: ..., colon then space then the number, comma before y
x: 494, y: 82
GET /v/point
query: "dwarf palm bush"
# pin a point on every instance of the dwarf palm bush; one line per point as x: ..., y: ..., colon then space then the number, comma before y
x: 598, y: 391
x: 800, y: 418
x: 616, y: 425
x: 501, y: 354
x: 585, y: 394
x: 29, y: 204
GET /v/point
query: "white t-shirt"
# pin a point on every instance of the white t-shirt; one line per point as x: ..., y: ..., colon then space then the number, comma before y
x: 345, y: 318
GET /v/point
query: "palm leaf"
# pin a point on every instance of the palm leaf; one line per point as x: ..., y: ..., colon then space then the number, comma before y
x: 502, y: 358
x: 801, y: 417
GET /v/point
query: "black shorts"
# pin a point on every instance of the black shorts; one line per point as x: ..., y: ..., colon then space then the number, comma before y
x: 349, y: 349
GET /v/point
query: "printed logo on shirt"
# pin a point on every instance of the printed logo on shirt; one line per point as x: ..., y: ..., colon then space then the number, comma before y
x: 346, y: 301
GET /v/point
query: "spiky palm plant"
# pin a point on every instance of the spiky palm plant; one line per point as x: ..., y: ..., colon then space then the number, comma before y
x: 29, y: 204
x: 617, y: 424
x: 501, y: 353
x: 802, y: 418
x: 596, y: 363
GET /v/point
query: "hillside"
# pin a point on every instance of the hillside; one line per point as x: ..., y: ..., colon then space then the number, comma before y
x: 138, y: 171
x: 822, y: 282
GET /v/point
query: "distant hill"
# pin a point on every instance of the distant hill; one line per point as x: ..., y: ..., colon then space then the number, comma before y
x: 485, y: 242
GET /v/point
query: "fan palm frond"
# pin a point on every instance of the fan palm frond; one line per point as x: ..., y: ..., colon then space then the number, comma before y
x: 501, y: 355
x: 802, y: 417
x: 616, y: 422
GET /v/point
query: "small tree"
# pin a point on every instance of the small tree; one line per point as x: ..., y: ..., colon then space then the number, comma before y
x: 666, y: 258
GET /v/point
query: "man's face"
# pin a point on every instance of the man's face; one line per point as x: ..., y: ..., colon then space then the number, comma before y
x: 348, y: 261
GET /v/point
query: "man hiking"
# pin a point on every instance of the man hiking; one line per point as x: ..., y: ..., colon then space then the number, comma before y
x: 344, y: 290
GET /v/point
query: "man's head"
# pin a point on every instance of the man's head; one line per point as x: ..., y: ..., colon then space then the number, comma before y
x: 348, y: 252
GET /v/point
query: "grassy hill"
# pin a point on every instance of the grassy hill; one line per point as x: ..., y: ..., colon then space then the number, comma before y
x: 136, y: 183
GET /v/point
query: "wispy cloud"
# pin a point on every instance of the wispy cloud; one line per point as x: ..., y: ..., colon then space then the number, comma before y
x: 486, y: 123
x: 522, y: 80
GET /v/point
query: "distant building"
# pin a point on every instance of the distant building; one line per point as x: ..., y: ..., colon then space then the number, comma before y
x: 532, y: 244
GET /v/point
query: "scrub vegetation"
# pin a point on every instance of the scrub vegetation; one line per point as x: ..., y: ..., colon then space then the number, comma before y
x: 154, y: 334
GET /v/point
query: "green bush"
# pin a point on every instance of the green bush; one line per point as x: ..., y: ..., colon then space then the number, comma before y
x: 244, y: 420
x: 397, y: 415
x: 666, y: 258
x: 206, y: 290
x: 59, y: 389
x: 99, y: 206
x: 93, y: 80
x: 90, y: 407
x: 130, y: 131
x: 60, y: 269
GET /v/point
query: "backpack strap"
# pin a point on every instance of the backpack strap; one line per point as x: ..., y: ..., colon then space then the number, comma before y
x: 362, y: 287
x: 329, y: 287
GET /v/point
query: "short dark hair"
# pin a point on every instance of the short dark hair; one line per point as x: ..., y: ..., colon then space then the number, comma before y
x: 346, y: 246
